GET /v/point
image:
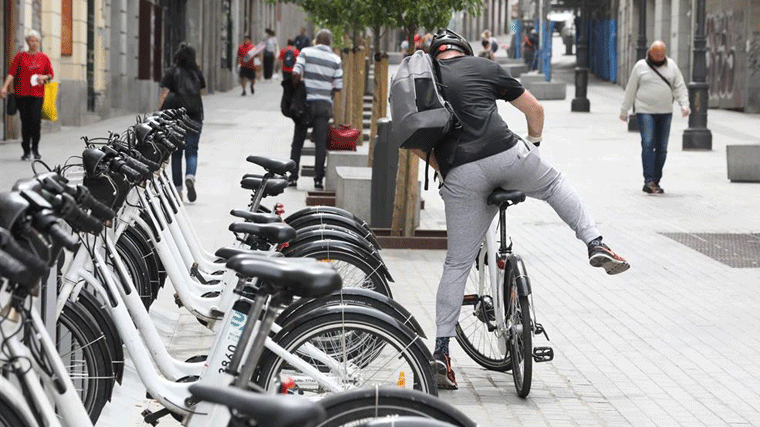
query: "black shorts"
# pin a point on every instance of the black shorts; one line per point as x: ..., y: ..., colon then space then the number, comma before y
x: 247, y: 73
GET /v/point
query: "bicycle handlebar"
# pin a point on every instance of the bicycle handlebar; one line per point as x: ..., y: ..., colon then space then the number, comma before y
x: 12, y: 248
x: 61, y: 237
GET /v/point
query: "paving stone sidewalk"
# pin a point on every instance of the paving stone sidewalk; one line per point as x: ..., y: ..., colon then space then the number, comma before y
x: 673, y: 341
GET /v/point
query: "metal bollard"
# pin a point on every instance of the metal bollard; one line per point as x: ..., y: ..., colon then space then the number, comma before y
x: 384, y: 169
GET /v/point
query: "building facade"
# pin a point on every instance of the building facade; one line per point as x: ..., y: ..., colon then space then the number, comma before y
x: 732, y: 28
x: 109, y: 55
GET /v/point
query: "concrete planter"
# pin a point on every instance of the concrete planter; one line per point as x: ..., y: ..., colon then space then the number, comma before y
x: 743, y: 162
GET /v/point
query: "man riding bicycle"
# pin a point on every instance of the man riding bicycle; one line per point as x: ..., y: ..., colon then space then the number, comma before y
x: 483, y: 155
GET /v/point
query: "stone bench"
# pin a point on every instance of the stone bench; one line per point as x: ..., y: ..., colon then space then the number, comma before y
x: 336, y: 159
x: 743, y: 163
x: 532, y: 77
x: 353, y: 190
x: 544, y: 90
x: 509, y: 61
x: 353, y: 187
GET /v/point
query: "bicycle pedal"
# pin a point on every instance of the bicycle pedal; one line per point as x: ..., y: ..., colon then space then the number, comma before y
x: 151, y: 417
x: 539, y: 329
x: 543, y: 354
x: 177, y: 300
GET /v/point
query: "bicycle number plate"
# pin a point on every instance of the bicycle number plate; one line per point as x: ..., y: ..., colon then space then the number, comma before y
x: 232, y: 332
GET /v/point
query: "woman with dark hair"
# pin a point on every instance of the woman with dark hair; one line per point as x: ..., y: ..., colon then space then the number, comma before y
x: 182, y: 86
x: 29, y: 72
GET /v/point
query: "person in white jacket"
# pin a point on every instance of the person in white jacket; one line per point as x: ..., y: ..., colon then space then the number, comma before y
x: 654, y: 84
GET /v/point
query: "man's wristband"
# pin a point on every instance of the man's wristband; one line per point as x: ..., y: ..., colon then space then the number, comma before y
x: 535, y: 140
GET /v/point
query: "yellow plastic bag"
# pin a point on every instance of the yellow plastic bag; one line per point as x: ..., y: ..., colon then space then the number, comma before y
x: 49, y: 111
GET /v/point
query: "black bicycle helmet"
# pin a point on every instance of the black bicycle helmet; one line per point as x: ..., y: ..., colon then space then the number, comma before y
x: 446, y: 40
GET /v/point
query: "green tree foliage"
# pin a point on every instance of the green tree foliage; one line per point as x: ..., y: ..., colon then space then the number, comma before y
x: 354, y: 16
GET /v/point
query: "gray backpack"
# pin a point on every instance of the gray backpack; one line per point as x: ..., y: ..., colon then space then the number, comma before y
x: 421, y: 116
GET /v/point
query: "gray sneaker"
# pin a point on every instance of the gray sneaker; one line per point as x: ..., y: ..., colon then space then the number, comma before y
x: 600, y: 255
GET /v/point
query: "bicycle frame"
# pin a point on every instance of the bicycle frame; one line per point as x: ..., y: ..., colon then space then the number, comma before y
x: 146, y: 347
x: 497, y: 289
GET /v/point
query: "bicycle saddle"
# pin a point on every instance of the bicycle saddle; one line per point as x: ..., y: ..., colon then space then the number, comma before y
x: 301, y: 277
x: 273, y: 187
x: 280, y: 167
x: 500, y: 196
x: 272, y: 233
x: 266, y: 410
x: 257, y: 217
x: 228, y: 252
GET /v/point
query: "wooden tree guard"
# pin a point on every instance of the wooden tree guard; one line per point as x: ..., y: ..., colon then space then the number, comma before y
x: 357, y: 91
x: 406, y: 194
x: 338, y: 105
x: 348, y: 85
x: 379, y: 100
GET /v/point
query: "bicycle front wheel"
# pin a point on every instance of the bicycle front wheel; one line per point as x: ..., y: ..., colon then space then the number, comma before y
x: 84, y: 352
x: 356, y: 407
x: 13, y: 412
x: 520, y: 337
x: 476, y: 330
x: 354, y: 347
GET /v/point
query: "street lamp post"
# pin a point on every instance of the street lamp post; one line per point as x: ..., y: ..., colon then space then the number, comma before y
x: 697, y: 136
x: 641, y: 53
x: 580, y: 103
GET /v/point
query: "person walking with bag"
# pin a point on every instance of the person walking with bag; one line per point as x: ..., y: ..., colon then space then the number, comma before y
x: 654, y: 84
x: 182, y: 86
x: 320, y: 70
x: 29, y: 72
x: 247, y: 70
x: 288, y: 57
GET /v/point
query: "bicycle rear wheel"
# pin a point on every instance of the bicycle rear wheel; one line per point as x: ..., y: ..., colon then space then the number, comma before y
x: 476, y: 330
x: 520, y: 337
x: 356, y: 407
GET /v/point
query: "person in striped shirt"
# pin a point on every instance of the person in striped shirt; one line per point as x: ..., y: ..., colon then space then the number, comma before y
x: 321, y: 72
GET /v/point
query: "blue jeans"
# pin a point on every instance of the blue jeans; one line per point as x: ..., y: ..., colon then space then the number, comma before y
x: 655, y: 130
x: 191, y: 158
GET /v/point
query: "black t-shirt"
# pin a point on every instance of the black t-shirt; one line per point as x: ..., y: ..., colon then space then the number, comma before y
x: 472, y: 85
x: 184, y: 91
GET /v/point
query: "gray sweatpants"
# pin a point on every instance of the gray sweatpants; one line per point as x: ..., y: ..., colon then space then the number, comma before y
x: 468, y: 216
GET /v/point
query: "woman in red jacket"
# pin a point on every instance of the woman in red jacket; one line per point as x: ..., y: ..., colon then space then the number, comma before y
x: 29, y: 71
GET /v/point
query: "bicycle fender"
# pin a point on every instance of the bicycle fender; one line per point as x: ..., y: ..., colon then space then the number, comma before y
x: 292, y: 311
x: 322, y: 312
x: 337, y: 245
x: 327, y: 209
x: 318, y: 217
x: 522, y: 279
x: 328, y: 234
